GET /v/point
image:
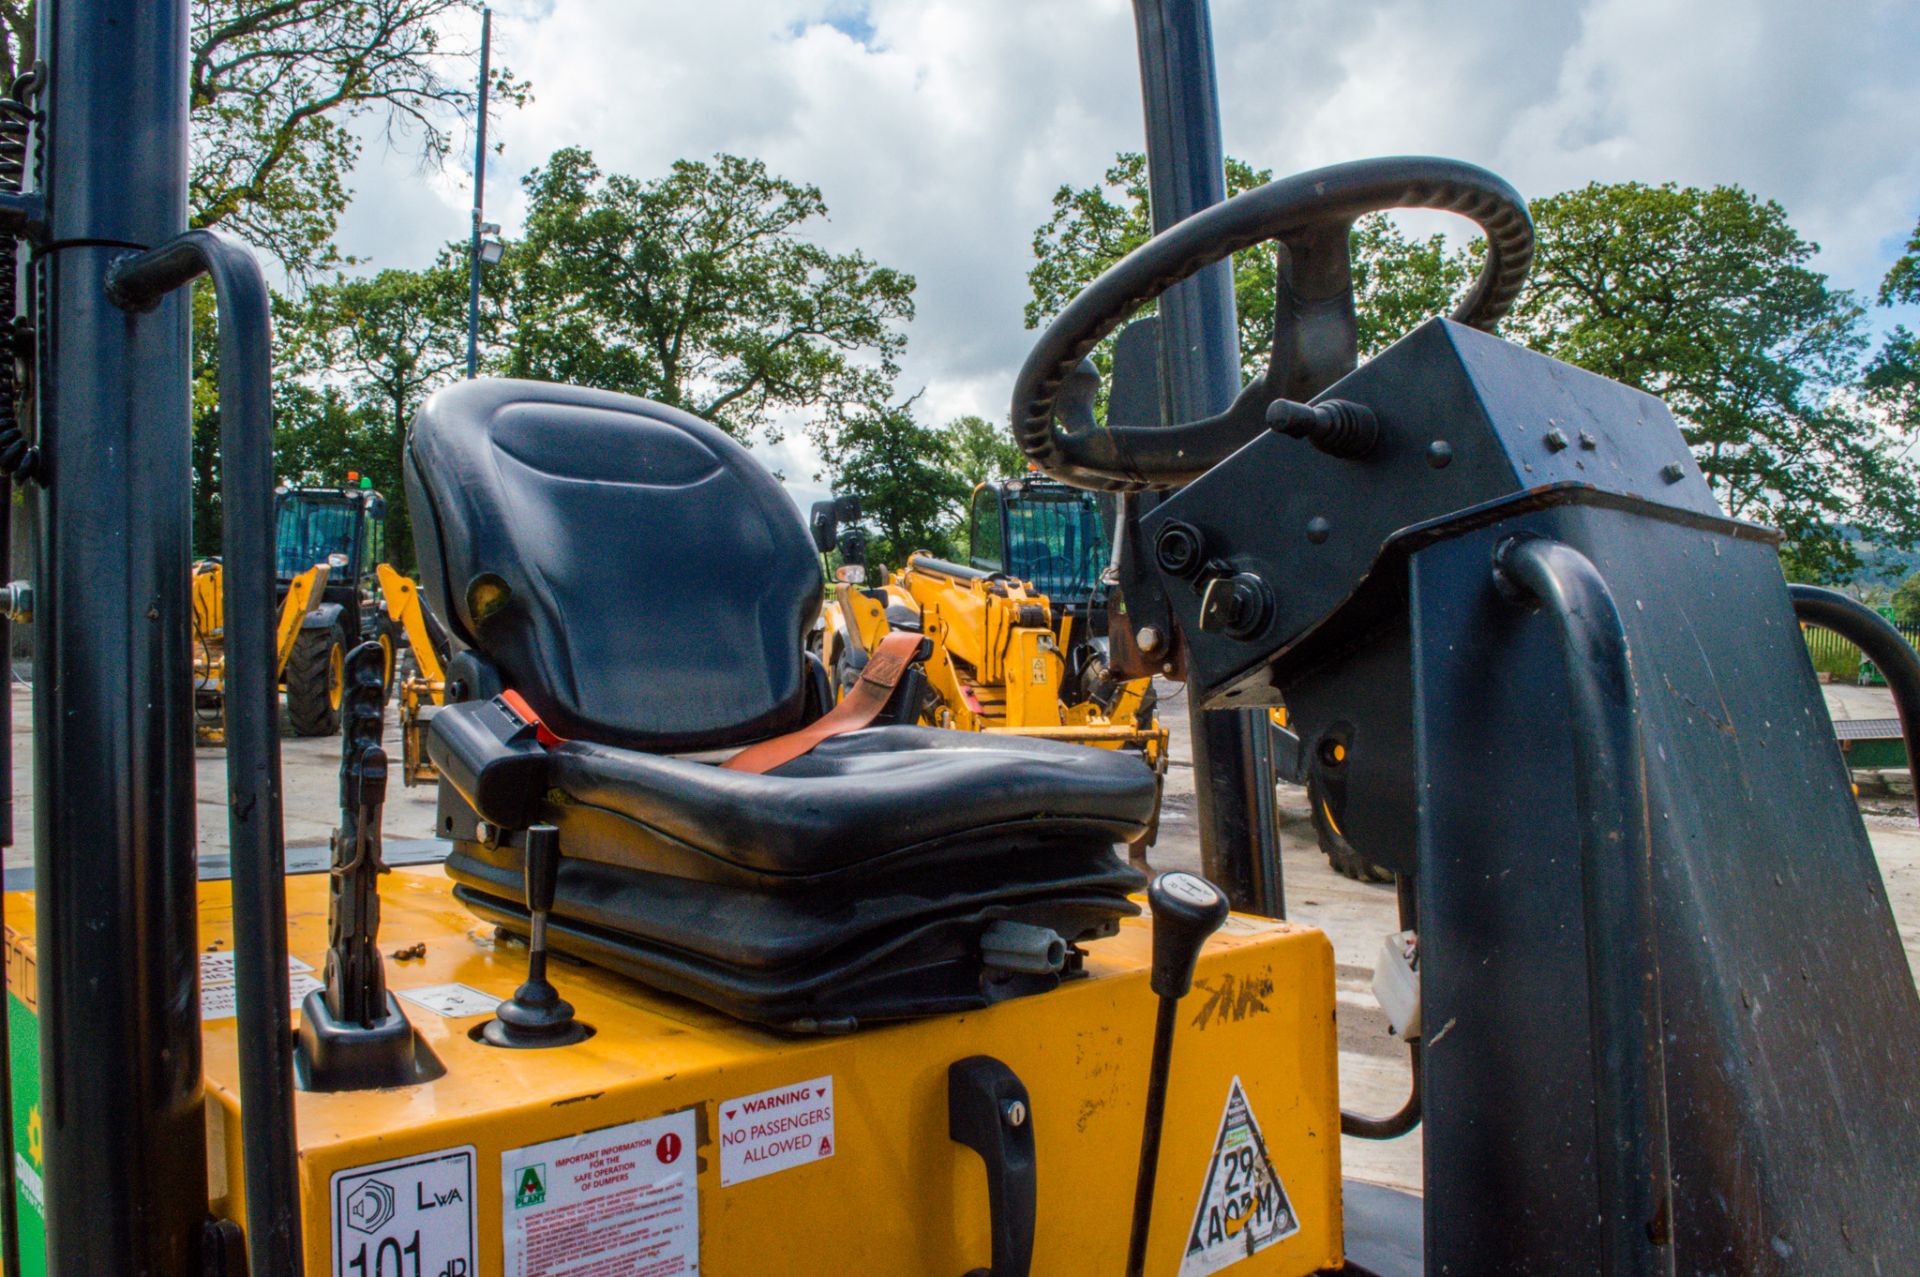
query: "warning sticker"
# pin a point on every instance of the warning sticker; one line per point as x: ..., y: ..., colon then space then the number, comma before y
x: 452, y: 1000
x: 1243, y: 1205
x: 621, y: 1200
x: 775, y: 1130
x: 411, y: 1215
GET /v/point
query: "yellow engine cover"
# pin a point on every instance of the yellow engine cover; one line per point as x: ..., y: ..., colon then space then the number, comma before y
x: 676, y: 1140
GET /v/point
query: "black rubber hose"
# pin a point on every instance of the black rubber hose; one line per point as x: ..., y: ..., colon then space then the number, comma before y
x: 1631, y: 1150
x: 1130, y: 458
x: 1882, y: 644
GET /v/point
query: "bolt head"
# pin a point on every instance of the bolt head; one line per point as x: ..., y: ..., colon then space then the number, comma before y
x: 1556, y: 440
x: 1318, y: 530
x: 1673, y: 472
x: 1439, y: 454
x: 1148, y: 639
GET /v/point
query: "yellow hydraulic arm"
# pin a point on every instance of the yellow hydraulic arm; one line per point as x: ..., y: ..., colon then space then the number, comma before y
x: 403, y: 606
x: 420, y: 691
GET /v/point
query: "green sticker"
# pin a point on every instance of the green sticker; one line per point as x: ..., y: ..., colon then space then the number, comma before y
x: 23, y: 1038
x: 532, y: 1190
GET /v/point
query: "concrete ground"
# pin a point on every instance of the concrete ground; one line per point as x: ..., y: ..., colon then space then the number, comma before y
x: 1373, y: 1065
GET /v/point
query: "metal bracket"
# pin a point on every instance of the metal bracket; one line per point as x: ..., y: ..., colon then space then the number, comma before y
x: 988, y: 1111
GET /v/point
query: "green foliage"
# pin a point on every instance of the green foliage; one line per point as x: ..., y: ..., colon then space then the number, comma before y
x: 1892, y: 379
x: 697, y: 290
x: 1707, y: 299
x: 907, y: 477
x: 1902, y: 283
x: 276, y: 89
x: 1906, y: 601
x: 378, y: 345
x: 983, y: 452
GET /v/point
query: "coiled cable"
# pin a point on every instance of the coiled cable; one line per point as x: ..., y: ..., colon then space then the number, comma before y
x: 19, y: 457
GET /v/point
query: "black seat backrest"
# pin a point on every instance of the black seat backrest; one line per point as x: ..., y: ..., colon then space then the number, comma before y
x: 633, y: 572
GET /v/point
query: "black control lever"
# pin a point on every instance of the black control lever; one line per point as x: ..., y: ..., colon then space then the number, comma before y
x: 536, y: 1015
x: 988, y: 1111
x: 1186, y: 910
x: 353, y: 1035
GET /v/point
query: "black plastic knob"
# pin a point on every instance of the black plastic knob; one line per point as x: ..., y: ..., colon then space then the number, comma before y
x: 543, y: 867
x: 1186, y: 910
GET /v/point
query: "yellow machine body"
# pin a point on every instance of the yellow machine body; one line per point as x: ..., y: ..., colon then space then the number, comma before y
x: 209, y: 632
x: 892, y: 1195
x: 998, y: 665
x: 423, y: 689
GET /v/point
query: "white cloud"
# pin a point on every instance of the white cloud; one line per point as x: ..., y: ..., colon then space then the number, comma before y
x: 938, y: 129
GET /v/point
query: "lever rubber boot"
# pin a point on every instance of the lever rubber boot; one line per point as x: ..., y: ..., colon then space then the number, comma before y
x: 536, y: 1015
x: 1186, y: 910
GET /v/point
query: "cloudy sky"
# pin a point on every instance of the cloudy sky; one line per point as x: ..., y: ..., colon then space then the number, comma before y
x: 938, y: 129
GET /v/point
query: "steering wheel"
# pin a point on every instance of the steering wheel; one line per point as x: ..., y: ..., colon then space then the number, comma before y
x: 1315, y: 338
x: 1052, y: 567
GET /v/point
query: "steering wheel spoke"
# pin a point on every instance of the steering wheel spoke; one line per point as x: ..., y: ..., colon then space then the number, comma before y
x: 1316, y: 338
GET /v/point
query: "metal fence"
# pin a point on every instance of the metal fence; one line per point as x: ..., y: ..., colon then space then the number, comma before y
x: 1834, y: 655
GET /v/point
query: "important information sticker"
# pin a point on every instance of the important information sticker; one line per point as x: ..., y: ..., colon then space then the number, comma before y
x: 219, y: 996
x: 775, y: 1130
x: 622, y: 1200
x: 1243, y: 1206
x: 410, y: 1215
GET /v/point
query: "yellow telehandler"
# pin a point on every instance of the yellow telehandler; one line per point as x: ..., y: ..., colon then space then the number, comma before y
x: 310, y: 678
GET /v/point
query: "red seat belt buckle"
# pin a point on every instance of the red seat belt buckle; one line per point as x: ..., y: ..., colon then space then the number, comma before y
x: 541, y: 732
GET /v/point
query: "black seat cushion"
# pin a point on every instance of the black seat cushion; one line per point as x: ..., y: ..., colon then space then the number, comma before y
x: 631, y: 570
x: 853, y: 883
x: 884, y: 791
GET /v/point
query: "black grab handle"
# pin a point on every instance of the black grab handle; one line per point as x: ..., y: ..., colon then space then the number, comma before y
x: 988, y: 1111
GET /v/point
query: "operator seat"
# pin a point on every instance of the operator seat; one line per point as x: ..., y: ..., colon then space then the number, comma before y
x: 645, y: 587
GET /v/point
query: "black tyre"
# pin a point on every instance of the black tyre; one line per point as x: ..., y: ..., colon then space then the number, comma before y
x: 390, y: 662
x: 316, y: 675
x: 1340, y: 853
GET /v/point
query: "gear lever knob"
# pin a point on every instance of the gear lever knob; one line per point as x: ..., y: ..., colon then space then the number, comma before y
x: 1186, y: 910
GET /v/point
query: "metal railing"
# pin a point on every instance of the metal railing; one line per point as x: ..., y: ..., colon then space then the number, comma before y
x: 1834, y: 655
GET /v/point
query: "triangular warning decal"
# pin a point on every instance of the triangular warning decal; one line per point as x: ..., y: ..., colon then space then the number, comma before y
x: 1243, y: 1207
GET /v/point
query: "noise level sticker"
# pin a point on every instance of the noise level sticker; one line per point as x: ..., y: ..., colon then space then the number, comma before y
x: 411, y: 1215
x: 1243, y: 1206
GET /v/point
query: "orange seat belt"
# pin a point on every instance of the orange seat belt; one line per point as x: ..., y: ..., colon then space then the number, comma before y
x: 859, y: 707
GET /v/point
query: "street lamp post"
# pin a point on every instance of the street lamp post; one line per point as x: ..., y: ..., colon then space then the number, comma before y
x: 481, y: 228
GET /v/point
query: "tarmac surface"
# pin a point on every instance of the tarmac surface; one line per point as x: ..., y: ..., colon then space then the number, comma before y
x: 1373, y: 1065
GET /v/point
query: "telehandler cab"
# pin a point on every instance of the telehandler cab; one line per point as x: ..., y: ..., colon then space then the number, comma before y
x: 327, y: 543
x: 854, y: 996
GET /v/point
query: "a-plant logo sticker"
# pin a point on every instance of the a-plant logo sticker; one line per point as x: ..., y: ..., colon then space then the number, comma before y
x: 531, y: 1189
x: 1243, y: 1207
